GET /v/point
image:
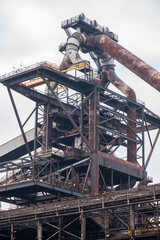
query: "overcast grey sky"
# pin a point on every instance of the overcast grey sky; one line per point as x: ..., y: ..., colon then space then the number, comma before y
x: 30, y: 32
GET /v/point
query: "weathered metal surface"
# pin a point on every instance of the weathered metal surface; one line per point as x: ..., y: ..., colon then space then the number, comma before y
x: 47, y: 129
x: 153, y: 146
x: 126, y: 58
x: 102, y: 171
x: 108, y: 74
x: 121, y: 165
x: 21, y: 188
x: 94, y: 120
x: 68, y: 115
x: 42, y: 98
x: 73, y: 206
x: 94, y: 174
x: 131, y: 133
x: 53, y: 75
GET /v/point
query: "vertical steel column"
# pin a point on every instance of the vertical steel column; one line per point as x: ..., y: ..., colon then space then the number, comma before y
x: 94, y: 174
x: 19, y: 122
x: 60, y: 228
x: 35, y: 140
x: 94, y: 141
x: 39, y: 230
x: 44, y: 141
x: 83, y: 226
x: 72, y: 176
x: 81, y: 121
x: 131, y: 132
x: 132, y: 220
x: 47, y: 129
x: 93, y: 120
x: 143, y: 139
x: 106, y: 224
x: 35, y: 131
x: 96, y: 119
x: 12, y: 237
x: 158, y: 235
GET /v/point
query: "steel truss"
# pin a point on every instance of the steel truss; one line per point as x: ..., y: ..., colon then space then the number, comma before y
x: 80, y: 132
x: 129, y: 214
x: 79, y: 135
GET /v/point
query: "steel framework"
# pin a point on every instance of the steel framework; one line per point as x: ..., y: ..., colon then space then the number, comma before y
x: 80, y: 132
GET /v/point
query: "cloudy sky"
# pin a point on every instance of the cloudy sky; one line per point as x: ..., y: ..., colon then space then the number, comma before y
x: 30, y: 32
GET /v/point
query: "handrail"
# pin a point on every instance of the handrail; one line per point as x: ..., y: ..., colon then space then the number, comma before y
x: 33, y: 66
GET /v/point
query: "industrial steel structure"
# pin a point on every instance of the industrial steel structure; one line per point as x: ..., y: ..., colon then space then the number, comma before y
x: 67, y: 174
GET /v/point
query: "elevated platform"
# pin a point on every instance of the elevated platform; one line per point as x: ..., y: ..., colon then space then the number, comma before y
x: 117, y: 208
x: 121, y: 166
x: 43, y: 69
x: 16, y: 79
x: 26, y: 192
x: 20, y: 189
x: 63, y: 125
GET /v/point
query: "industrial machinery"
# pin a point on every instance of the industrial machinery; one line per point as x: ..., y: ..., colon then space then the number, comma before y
x: 86, y: 148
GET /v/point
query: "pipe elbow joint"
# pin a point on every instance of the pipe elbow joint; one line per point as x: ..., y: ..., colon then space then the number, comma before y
x: 72, y: 43
x: 80, y: 37
x: 76, y: 41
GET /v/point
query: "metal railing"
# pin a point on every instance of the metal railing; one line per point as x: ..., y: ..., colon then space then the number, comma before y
x: 30, y: 67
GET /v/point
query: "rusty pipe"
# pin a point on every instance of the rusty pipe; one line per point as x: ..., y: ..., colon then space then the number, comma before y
x: 90, y: 43
x: 108, y: 74
x: 101, y: 43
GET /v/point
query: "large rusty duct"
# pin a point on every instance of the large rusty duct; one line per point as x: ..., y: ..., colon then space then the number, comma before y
x: 133, y: 63
x: 108, y: 74
x: 102, y: 43
x: 126, y: 58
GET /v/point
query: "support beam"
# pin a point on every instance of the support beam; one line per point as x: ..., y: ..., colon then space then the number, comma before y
x: 153, y: 146
x: 94, y: 120
x: 94, y: 174
x: 83, y: 226
x: 60, y: 228
x: 12, y: 237
x: 39, y: 230
x: 19, y: 122
x: 67, y: 114
x: 106, y: 224
x: 47, y: 129
x: 132, y: 221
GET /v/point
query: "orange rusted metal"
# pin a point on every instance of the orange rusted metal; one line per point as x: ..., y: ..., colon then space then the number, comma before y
x: 108, y: 74
x: 34, y: 83
x: 101, y: 43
